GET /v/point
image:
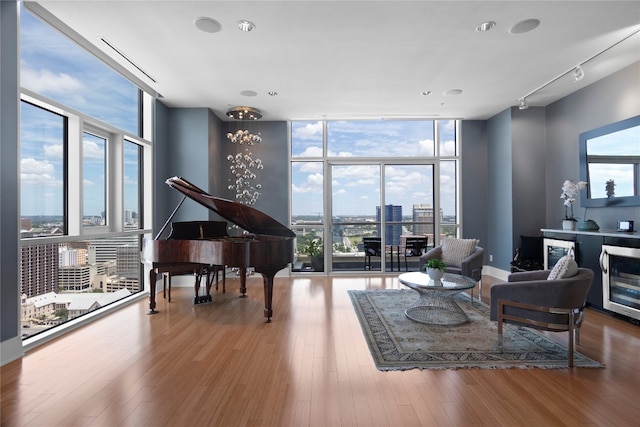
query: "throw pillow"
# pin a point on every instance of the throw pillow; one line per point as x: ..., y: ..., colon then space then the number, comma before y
x: 454, y: 251
x: 565, y: 267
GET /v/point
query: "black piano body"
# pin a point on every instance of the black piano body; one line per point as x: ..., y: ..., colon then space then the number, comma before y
x: 267, y: 248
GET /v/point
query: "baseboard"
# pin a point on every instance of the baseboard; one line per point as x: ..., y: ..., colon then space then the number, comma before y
x: 10, y: 350
x: 495, y: 272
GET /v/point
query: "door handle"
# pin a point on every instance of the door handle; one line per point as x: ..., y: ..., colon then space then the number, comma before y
x: 602, y: 255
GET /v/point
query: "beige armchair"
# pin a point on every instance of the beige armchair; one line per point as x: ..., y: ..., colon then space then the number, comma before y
x: 529, y: 299
x: 471, y: 266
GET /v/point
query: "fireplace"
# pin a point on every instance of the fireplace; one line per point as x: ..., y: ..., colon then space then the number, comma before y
x: 621, y: 280
x: 555, y: 249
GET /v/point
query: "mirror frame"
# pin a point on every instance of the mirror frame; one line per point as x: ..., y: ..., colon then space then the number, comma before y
x: 585, y: 200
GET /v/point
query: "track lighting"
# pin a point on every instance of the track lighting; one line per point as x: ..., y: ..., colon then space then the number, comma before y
x: 523, y: 104
x: 576, y: 72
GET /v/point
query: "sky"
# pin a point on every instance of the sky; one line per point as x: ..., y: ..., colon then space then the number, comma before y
x: 355, y: 188
x: 622, y: 143
x: 55, y: 67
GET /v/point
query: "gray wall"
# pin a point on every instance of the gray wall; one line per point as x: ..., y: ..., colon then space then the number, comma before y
x: 274, y: 178
x: 609, y: 100
x: 528, y: 171
x: 541, y: 146
x: 192, y: 143
x: 10, y: 343
x: 474, y: 175
x: 500, y: 201
x: 187, y: 144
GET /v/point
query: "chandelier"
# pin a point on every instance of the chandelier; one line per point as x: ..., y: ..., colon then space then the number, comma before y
x: 242, y: 165
x: 244, y: 113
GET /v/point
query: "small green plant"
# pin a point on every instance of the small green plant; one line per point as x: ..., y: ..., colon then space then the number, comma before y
x: 313, y: 248
x: 436, y: 263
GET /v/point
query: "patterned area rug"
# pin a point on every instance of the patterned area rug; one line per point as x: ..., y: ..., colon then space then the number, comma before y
x: 398, y: 343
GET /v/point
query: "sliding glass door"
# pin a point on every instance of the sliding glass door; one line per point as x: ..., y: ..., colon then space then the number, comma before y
x: 374, y: 208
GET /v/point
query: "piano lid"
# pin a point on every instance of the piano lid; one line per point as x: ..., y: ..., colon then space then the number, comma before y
x: 244, y: 216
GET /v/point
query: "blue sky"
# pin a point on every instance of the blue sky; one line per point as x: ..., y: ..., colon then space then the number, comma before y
x: 625, y: 142
x: 356, y: 188
x: 57, y: 68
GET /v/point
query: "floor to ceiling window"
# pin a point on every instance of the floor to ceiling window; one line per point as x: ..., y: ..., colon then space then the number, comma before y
x: 373, y: 195
x: 81, y: 181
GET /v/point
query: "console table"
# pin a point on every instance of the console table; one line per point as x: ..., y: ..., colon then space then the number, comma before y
x: 588, y: 250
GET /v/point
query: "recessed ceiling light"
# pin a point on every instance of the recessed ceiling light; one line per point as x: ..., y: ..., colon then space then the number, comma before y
x: 485, y: 26
x: 246, y: 26
x: 207, y: 25
x: 453, y: 92
x: 249, y: 93
x: 525, y: 26
x: 272, y: 93
x: 426, y: 93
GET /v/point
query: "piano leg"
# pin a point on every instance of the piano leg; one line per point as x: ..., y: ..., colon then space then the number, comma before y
x: 153, y: 275
x: 243, y: 281
x: 267, y: 278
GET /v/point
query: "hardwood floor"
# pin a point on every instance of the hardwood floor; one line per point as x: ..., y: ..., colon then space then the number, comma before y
x: 221, y: 364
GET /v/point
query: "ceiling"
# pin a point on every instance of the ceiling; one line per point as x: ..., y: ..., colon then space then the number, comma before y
x: 360, y: 59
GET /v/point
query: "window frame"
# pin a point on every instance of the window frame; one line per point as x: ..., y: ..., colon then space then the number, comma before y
x: 326, y: 226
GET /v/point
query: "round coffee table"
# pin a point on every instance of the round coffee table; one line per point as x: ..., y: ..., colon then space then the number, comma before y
x: 435, y: 304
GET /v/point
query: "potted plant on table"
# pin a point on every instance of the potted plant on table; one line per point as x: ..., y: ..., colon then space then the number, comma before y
x: 570, y: 190
x: 435, y: 268
x: 314, y: 250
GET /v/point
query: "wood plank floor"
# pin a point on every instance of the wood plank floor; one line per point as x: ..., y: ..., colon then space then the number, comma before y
x: 221, y: 364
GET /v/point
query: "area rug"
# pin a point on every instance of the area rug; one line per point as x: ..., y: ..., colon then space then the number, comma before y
x: 398, y: 343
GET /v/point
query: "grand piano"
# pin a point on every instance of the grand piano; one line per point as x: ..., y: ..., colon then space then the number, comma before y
x: 267, y: 245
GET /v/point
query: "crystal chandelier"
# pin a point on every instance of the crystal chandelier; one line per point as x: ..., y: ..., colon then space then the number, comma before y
x: 242, y: 164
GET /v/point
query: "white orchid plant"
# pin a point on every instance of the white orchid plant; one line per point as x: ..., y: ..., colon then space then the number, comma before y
x: 570, y: 190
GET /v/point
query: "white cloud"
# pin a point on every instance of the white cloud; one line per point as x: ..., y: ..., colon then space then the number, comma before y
x: 309, y: 131
x: 315, y: 180
x: 36, y: 167
x: 53, y: 151
x: 311, y: 152
x: 91, y: 150
x: 425, y: 147
x: 313, y: 167
x: 39, y: 173
x: 47, y: 82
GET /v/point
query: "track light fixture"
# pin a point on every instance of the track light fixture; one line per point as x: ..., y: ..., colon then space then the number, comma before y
x: 523, y: 104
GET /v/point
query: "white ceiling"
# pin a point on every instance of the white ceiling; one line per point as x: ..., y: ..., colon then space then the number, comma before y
x: 360, y: 59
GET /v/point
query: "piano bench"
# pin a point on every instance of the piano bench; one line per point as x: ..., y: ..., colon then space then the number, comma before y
x: 198, y: 271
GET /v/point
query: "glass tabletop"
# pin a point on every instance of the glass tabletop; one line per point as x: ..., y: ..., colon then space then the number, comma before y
x: 449, y: 281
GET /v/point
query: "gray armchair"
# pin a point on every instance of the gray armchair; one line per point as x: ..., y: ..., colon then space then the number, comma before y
x: 470, y: 266
x: 529, y: 299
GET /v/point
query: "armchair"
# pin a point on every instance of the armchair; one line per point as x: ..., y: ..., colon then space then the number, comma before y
x: 529, y: 299
x: 470, y: 266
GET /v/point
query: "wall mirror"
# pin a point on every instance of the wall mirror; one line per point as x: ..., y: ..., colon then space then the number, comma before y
x: 610, y: 164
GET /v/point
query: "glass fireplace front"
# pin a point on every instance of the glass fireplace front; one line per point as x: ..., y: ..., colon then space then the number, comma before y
x: 555, y: 249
